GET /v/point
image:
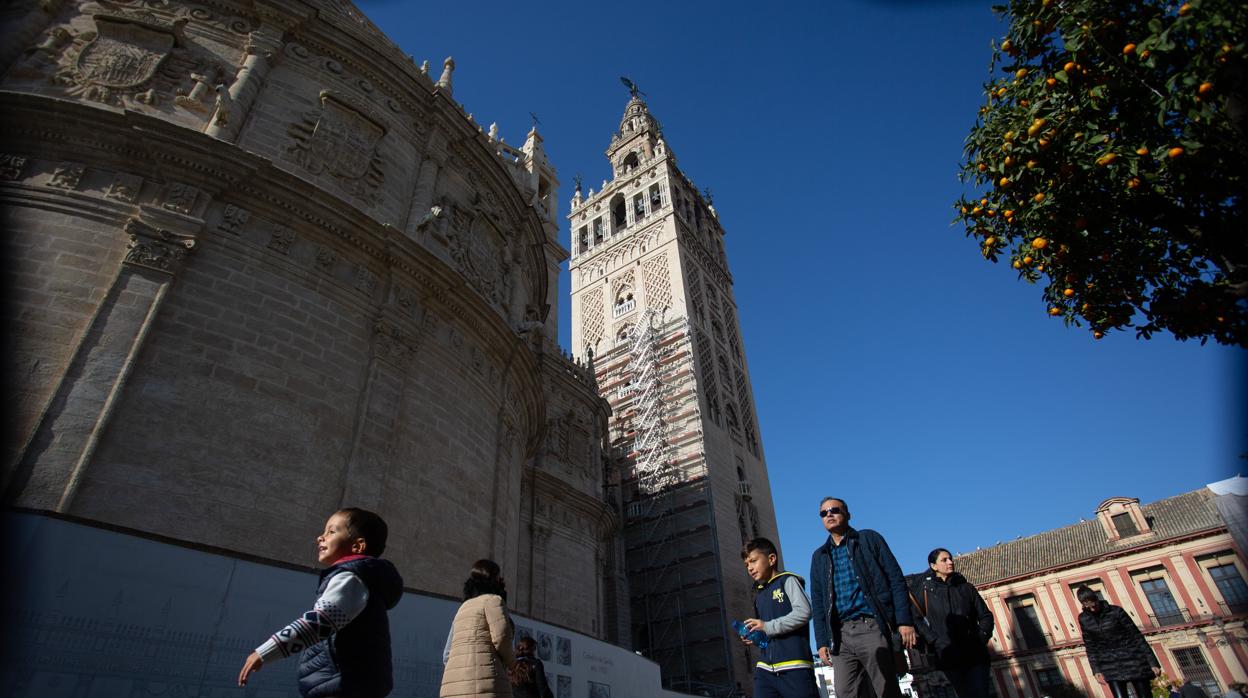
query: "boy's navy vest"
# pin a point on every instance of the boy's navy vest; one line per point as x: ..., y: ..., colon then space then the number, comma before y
x: 790, y: 650
x: 355, y: 660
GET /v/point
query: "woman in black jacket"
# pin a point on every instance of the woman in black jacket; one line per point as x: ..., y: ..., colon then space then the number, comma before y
x: 956, y: 625
x: 1117, y: 650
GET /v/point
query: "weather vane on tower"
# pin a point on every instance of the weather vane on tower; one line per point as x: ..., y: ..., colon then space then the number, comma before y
x: 632, y: 88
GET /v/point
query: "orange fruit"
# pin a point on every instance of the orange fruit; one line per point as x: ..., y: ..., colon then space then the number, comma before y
x: 1141, y: 151
x: 1008, y: 213
x: 1098, y: 334
x: 1133, y: 183
x: 1174, y: 152
x: 1128, y: 49
x: 1069, y: 67
x: 1039, y: 243
x: 1185, y: 9
x: 1007, y: 46
x: 983, y: 202
x: 991, y: 213
x: 1017, y: 264
x: 1027, y: 260
x: 1009, y: 161
x: 981, y: 167
x: 975, y: 211
x: 1055, y: 311
x: 1068, y: 292
x: 1106, y: 159
x: 1022, y: 73
x: 1039, y: 197
x: 1050, y: 81
x: 1001, y: 92
x: 1204, y: 89
x: 990, y: 241
x: 1004, y: 182
x: 1044, y: 143
x: 965, y: 210
x: 1145, y: 54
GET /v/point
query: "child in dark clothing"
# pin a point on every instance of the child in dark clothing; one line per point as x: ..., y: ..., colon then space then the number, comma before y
x: 528, y: 675
x: 344, y: 640
x: 785, y: 668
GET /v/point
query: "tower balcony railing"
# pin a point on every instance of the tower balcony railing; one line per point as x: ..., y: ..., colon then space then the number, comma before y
x: 624, y: 308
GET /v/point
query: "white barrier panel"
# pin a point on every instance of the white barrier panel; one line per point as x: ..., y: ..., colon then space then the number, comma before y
x: 95, y: 613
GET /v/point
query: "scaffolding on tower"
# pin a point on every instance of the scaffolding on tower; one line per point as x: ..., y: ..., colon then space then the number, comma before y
x: 651, y: 447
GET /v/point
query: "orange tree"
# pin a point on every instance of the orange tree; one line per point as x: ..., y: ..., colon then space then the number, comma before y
x: 1110, y: 159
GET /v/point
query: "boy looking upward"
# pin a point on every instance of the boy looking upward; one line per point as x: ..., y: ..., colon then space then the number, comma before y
x: 784, y: 668
x: 344, y: 640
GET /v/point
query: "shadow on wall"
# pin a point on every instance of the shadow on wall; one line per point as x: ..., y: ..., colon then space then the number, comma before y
x: 100, y: 614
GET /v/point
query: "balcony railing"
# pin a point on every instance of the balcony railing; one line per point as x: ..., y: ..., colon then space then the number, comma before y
x: 1168, y: 619
x: 1234, y: 608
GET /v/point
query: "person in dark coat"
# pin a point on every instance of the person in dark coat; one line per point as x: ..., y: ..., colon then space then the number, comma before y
x: 528, y: 674
x: 1117, y: 650
x: 956, y: 624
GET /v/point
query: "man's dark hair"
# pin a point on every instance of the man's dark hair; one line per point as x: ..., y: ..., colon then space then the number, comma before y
x: 762, y: 545
x: 931, y: 557
x: 362, y: 523
x: 844, y: 504
x: 1086, y: 594
x: 485, y: 578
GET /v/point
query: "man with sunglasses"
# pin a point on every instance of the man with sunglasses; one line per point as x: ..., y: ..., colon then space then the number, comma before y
x: 858, y: 598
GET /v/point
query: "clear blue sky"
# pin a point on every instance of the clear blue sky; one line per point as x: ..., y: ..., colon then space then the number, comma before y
x: 892, y: 366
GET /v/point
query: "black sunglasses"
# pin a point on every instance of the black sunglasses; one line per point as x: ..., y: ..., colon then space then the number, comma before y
x: 824, y: 513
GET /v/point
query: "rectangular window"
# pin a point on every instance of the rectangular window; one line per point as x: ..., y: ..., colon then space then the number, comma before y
x: 1194, y: 668
x: 583, y: 238
x: 639, y: 207
x: 1095, y: 584
x: 1048, y: 679
x: 598, y: 231
x: 1027, y: 621
x: 1231, y: 585
x: 1125, y: 525
x: 656, y: 198
x: 1165, y: 610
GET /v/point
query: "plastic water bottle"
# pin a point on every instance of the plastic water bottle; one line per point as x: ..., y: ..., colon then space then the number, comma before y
x: 758, y: 637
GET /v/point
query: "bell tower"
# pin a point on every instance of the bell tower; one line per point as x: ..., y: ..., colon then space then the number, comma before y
x: 652, y: 307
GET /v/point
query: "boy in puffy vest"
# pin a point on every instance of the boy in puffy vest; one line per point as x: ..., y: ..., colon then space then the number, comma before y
x: 344, y: 641
x: 785, y: 668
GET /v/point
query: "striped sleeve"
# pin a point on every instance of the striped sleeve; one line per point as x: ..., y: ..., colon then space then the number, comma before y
x: 345, y: 596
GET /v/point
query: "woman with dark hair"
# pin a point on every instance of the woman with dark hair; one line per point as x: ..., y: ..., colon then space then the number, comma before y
x: 1117, y: 650
x: 528, y: 674
x: 479, y: 653
x: 956, y: 625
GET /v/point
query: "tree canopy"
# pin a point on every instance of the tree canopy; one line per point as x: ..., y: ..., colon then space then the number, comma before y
x: 1110, y: 157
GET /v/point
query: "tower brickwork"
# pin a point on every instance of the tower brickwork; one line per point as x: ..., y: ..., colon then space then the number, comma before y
x: 653, y: 309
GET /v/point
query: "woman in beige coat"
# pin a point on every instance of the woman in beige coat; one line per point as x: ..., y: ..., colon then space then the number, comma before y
x: 479, y: 649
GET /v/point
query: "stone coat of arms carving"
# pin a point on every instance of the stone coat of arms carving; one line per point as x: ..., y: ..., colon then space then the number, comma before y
x: 341, y: 139
x: 127, y: 57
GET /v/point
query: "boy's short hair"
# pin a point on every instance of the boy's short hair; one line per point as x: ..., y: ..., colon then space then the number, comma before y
x: 1085, y: 594
x: 762, y: 545
x: 362, y: 523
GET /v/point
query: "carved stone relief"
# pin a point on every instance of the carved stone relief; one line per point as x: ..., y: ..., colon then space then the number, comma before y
x: 180, y: 197
x: 325, y: 258
x: 281, y: 239
x: 67, y: 176
x: 156, y: 248
x: 11, y: 167
x: 340, y: 139
x: 136, y: 54
x: 233, y: 218
x: 480, y: 255
x: 125, y: 187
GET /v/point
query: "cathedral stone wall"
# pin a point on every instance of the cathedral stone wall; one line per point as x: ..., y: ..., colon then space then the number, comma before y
x: 264, y: 266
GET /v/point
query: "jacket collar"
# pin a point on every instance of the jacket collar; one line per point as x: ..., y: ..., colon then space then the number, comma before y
x: 850, y: 534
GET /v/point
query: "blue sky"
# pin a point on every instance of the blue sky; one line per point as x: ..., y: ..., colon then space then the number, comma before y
x: 892, y: 365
